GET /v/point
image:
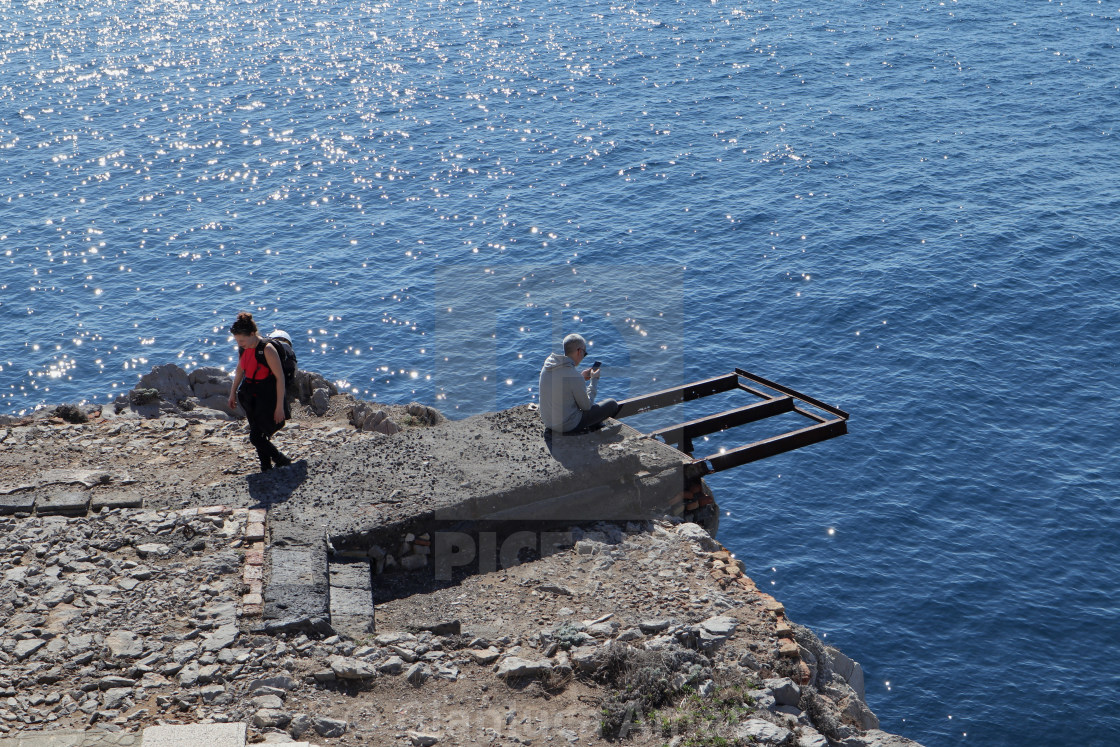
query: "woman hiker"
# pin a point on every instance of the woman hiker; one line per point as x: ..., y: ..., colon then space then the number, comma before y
x: 258, y: 386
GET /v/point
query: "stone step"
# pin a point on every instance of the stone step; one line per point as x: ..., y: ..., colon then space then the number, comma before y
x: 351, y: 596
x: 297, y: 596
x: 192, y: 735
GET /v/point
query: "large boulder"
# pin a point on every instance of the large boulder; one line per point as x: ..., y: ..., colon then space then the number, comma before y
x: 308, y: 382
x: 760, y: 731
x: 210, y: 381
x: 171, y: 381
x: 423, y: 414
x: 696, y: 533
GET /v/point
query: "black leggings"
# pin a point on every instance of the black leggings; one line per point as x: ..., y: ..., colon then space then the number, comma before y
x: 258, y: 400
x: 266, y: 450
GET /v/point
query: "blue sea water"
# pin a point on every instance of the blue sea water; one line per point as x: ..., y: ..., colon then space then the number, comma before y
x: 908, y: 210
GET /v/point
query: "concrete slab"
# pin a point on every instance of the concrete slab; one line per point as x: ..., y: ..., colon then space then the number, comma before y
x: 353, y: 625
x: 351, y: 602
x: 101, y: 499
x: 15, y: 503
x: 283, y: 601
x: 74, y: 738
x: 193, y: 735
x: 490, y: 467
x: 298, y: 567
x: 350, y: 574
x: 61, y: 502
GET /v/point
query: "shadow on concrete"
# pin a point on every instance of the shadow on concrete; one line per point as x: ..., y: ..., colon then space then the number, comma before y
x: 578, y: 451
x: 277, y: 485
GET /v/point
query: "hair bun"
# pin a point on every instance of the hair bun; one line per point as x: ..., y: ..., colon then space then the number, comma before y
x: 244, y: 325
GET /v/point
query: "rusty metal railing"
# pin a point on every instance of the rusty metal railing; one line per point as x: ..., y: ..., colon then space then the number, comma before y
x: 830, y: 421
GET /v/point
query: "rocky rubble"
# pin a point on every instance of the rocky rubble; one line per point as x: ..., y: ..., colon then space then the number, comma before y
x: 130, y: 617
x: 127, y: 617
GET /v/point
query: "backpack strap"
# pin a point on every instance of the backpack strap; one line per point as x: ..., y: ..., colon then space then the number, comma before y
x: 260, y: 356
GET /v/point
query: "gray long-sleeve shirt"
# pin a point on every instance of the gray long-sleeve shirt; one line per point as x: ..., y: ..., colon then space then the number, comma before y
x: 564, y: 393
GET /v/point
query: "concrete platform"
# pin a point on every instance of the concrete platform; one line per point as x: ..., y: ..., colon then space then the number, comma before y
x: 62, y: 502
x: 490, y: 467
x: 431, y: 501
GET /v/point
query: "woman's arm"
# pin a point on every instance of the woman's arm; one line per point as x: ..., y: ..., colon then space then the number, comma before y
x: 238, y: 375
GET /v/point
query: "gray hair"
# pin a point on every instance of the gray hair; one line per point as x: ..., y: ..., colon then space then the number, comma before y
x: 574, y: 342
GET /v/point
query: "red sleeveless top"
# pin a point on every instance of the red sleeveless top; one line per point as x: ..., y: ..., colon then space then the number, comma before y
x: 254, y: 370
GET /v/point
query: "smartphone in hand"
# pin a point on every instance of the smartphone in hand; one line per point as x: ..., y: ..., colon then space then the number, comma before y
x: 595, y: 366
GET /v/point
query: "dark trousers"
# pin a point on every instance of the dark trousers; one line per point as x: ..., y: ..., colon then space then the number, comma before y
x: 608, y: 408
x: 258, y: 400
x: 266, y: 450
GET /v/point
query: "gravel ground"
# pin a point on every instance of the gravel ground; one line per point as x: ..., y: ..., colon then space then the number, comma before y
x: 127, y: 617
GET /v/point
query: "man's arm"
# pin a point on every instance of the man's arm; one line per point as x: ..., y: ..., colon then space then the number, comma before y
x: 583, y: 397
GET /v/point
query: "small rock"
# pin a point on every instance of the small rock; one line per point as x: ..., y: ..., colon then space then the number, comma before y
x: 211, y: 693
x: 61, y: 594
x: 27, y: 647
x: 329, y: 727
x: 556, y: 589
x: 124, y: 644
x: 417, y: 673
x: 696, y: 533
x: 188, y: 675
x: 760, y: 731
x: 720, y: 626
x: 784, y: 690
x: 603, y: 629
x: 587, y: 658
x: 301, y: 722
x: 267, y: 701
x: 219, y: 639
x: 282, y: 682
x: 422, y: 740
x: 444, y: 627
x: 515, y: 666
x: 271, y: 718
x: 748, y: 661
x: 152, y: 548
x: 392, y: 665
x: 320, y: 403
x: 484, y: 657
x: 413, y: 562
x: 113, y: 680
x: 113, y: 698
x: 346, y: 668
x: 652, y: 627
x: 184, y: 652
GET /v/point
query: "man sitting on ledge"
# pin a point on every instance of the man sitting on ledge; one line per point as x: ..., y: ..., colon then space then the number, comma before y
x: 566, y: 406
